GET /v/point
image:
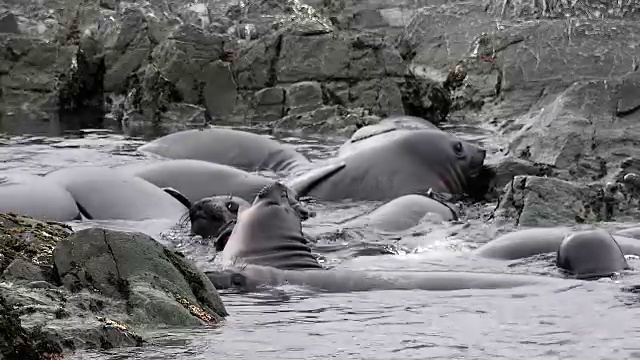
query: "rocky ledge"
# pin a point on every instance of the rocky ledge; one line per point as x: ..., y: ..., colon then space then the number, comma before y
x: 94, y: 288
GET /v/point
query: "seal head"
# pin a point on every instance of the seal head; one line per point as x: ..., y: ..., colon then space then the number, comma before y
x: 209, y: 216
x: 590, y: 254
x: 269, y: 233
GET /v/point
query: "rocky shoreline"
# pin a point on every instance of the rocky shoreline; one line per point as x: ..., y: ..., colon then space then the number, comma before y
x: 92, y: 289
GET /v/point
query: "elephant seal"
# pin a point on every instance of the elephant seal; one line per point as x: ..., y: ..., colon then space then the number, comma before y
x: 197, y: 179
x: 103, y: 193
x: 209, y: 216
x: 33, y: 196
x: 266, y: 247
x: 241, y: 149
x: 392, y: 126
x: 402, y: 213
x: 269, y: 233
x: 410, y: 163
x: 524, y: 243
x: 590, y: 254
x: 529, y: 242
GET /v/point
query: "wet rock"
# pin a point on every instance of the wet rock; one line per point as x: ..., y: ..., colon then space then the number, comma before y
x: 29, y: 241
x: 542, y: 201
x: 139, y: 270
x: 15, y: 341
x: 575, y: 135
x: 268, y: 104
x: 23, y: 270
x: 8, y: 23
x: 303, y: 97
x: 591, y: 9
x: 181, y: 59
x: 220, y: 90
x: 128, y: 46
x: 508, y: 167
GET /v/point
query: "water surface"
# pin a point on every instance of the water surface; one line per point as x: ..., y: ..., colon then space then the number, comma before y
x: 592, y: 321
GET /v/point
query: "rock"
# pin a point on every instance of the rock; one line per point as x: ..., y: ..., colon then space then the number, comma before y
x: 182, y: 58
x: 303, y: 97
x: 220, y: 90
x: 28, y: 240
x: 574, y: 133
x: 8, y: 23
x: 544, y: 202
x: 268, y: 104
x: 23, y: 270
x: 139, y: 270
x: 508, y: 167
x: 110, y: 281
x: 15, y: 341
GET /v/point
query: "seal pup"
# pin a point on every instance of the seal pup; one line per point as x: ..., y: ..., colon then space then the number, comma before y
x: 241, y: 149
x: 266, y: 247
x: 103, y: 193
x: 590, y: 254
x: 32, y: 195
x: 411, y: 163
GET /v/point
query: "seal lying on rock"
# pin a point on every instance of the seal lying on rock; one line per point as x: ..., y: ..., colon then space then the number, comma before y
x: 106, y: 194
x: 266, y: 247
x: 402, y: 213
x: 33, y: 196
x: 371, y: 134
x: 410, y: 163
x: 241, y: 149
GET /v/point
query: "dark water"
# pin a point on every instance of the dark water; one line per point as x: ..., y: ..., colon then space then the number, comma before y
x: 592, y: 321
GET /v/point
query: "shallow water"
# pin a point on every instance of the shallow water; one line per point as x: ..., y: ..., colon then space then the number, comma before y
x: 594, y: 320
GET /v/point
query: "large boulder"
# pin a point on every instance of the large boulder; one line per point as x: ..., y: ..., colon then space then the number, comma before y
x: 535, y: 201
x: 91, y: 288
x: 153, y: 280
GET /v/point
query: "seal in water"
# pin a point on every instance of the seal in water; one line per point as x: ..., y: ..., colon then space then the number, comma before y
x: 269, y: 232
x: 590, y: 254
x: 266, y: 247
x: 392, y: 126
x: 411, y: 163
x: 241, y: 149
x: 105, y: 194
x: 402, y: 213
x: 33, y: 196
x: 197, y: 179
x: 209, y: 216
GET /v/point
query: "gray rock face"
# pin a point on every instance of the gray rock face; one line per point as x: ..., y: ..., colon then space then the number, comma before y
x: 544, y: 202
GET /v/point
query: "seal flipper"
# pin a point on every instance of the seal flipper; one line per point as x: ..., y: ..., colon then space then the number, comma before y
x: 178, y: 196
x: 303, y: 184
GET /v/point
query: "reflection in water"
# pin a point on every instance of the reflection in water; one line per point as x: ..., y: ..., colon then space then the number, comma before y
x: 590, y: 321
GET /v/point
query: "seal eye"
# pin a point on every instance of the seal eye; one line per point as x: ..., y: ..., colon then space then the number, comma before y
x: 458, y: 148
x: 232, y: 206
